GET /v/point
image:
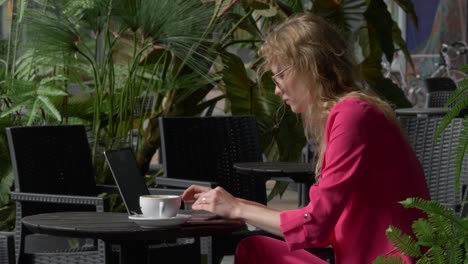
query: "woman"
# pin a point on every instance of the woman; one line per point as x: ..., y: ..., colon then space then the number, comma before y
x: 365, y: 165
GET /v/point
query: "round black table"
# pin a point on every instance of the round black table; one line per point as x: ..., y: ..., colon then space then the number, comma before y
x: 116, y: 228
x: 422, y: 111
x: 298, y: 172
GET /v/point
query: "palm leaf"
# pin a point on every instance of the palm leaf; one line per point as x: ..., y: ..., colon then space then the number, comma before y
x: 53, y: 34
x: 49, y: 107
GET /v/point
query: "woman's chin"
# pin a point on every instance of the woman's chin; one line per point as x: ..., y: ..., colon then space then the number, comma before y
x: 296, y: 110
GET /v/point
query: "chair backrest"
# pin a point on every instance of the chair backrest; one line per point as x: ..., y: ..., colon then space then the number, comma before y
x: 438, y: 158
x: 436, y: 84
x: 128, y: 177
x: 52, y: 160
x: 205, y: 148
x: 437, y: 98
x: 47, y: 161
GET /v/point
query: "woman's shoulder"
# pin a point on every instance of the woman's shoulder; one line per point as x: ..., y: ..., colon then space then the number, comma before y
x: 357, y: 113
x: 353, y: 106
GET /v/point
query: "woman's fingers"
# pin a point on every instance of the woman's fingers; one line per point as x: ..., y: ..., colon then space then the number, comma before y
x: 191, y: 193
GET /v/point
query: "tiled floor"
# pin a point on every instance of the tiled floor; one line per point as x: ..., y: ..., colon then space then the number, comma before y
x: 289, y: 200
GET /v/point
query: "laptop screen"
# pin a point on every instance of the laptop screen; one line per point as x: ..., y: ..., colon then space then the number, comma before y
x: 128, y: 177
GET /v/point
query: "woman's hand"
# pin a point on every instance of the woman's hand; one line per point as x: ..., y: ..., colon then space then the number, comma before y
x: 217, y: 201
x: 190, y: 194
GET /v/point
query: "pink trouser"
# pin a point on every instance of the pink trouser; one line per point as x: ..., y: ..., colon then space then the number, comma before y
x: 263, y: 249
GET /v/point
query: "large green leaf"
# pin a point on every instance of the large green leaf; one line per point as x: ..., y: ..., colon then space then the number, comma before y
x: 247, y: 24
x: 380, y: 23
x: 398, y: 39
x: 292, y: 6
x: 408, y: 7
x: 371, y: 70
x: 238, y: 85
x: 346, y: 15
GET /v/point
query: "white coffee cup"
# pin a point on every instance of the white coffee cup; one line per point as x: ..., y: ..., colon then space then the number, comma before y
x: 160, y: 206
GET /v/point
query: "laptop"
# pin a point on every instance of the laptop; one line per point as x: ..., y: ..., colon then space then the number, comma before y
x: 131, y: 184
x: 128, y: 177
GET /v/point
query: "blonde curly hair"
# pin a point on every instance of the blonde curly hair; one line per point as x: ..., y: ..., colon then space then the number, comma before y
x: 317, y: 50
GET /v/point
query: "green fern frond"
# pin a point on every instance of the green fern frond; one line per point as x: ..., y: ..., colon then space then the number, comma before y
x: 403, y: 242
x: 436, y: 254
x: 455, y: 251
x: 455, y: 96
x: 423, y: 260
x: 453, y: 112
x: 443, y: 229
x: 432, y: 208
x: 424, y: 232
x: 388, y: 260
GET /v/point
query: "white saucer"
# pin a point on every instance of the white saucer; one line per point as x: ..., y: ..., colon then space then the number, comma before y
x: 159, y: 222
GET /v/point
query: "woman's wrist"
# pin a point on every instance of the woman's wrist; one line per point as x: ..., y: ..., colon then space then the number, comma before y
x: 238, y: 208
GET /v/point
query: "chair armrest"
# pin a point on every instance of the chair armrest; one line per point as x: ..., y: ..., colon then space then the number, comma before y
x: 99, y: 202
x: 166, y: 191
x: 107, y: 188
x: 113, y: 189
x: 182, y: 183
x: 7, y: 249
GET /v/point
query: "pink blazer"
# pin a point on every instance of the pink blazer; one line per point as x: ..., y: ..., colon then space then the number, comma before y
x: 367, y: 169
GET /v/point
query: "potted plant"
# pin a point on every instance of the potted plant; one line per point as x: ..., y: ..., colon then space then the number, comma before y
x: 441, y: 238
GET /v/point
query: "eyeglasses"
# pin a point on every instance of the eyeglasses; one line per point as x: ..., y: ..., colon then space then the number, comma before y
x: 279, y: 74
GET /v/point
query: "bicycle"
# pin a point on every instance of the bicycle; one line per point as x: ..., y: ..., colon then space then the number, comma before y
x: 448, y: 53
x: 417, y: 92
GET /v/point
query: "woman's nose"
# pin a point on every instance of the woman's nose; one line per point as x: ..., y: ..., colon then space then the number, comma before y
x: 278, y: 91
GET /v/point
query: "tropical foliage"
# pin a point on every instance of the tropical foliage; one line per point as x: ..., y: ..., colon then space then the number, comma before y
x: 116, y: 66
x: 441, y: 238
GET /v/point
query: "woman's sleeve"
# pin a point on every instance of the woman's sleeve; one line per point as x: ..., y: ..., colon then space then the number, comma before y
x: 346, y: 157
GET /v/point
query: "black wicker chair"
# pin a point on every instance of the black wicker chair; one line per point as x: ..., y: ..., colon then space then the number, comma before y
x: 438, y: 98
x: 205, y: 149
x: 439, y: 90
x: 7, y: 248
x: 438, y: 158
x: 53, y: 172
x: 437, y: 84
x: 202, y: 150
